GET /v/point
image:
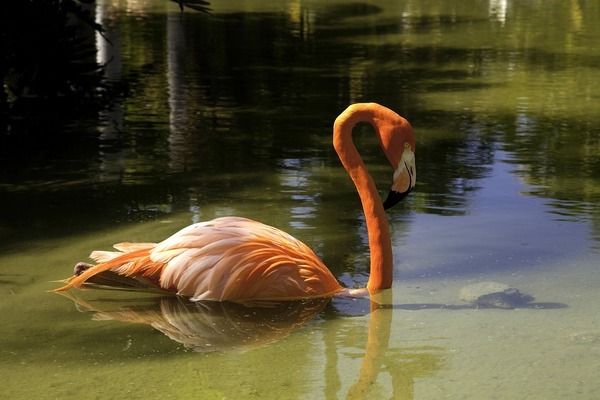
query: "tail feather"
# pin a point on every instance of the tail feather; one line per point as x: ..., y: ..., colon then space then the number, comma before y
x: 132, y: 264
x: 127, y: 247
x: 101, y: 256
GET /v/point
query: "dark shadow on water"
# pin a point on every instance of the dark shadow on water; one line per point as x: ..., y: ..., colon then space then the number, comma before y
x: 436, y: 306
x: 354, y: 307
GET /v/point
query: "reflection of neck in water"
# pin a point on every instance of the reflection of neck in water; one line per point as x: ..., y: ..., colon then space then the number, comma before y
x: 380, y: 321
x: 209, y: 326
x: 403, y: 364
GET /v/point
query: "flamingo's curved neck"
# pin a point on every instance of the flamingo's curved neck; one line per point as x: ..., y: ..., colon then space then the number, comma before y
x: 380, y: 276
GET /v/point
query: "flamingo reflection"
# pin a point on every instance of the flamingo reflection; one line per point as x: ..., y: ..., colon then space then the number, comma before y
x: 207, y: 326
x: 224, y: 326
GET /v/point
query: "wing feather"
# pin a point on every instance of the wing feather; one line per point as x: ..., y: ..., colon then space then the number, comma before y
x: 238, y: 259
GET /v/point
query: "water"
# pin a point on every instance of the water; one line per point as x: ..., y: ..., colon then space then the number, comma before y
x: 231, y: 114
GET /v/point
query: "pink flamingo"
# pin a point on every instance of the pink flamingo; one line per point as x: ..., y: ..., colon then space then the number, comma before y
x: 240, y: 260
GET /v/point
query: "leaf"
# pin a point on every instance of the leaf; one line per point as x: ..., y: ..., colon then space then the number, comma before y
x: 198, y: 5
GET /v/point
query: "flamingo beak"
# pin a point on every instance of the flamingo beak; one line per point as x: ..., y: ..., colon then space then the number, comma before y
x: 394, y: 198
x: 404, y: 180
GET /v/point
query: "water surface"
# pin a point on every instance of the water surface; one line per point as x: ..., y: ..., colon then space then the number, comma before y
x: 231, y: 114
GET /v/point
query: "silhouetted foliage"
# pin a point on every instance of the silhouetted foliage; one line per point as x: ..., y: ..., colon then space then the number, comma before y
x: 48, y: 50
x: 198, y: 5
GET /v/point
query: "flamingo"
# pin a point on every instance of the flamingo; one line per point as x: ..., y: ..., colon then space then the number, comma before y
x: 240, y: 260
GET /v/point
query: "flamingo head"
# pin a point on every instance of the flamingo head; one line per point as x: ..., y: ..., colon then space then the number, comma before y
x: 404, y: 178
x: 396, y: 138
x: 398, y: 143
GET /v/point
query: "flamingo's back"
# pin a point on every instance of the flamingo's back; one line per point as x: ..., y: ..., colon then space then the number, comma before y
x: 226, y: 259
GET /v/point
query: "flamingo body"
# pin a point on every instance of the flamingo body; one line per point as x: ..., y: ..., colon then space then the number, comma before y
x: 225, y: 259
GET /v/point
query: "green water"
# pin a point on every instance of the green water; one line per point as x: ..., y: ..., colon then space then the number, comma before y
x: 231, y: 114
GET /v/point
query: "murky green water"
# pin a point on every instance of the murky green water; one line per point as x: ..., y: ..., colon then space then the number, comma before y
x: 231, y: 114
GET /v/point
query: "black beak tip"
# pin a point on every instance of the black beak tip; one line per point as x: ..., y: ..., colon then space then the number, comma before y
x: 394, y: 198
